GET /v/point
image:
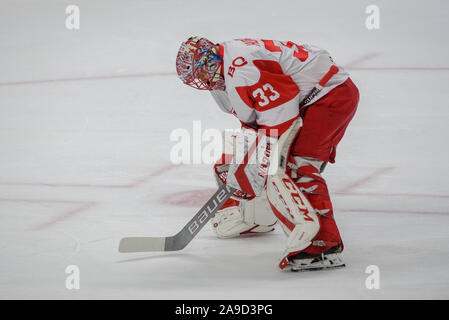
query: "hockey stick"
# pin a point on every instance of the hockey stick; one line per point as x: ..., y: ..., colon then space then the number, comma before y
x: 183, y: 237
x: 224, y: 192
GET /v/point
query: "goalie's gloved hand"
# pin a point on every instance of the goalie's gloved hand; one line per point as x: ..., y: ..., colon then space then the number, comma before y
x: 221, y: 168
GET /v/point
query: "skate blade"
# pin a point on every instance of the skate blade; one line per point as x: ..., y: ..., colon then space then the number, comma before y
x: 315, y: 268
x: 330, y: 261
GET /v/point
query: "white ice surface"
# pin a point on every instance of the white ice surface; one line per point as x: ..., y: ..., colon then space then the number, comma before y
x: 84, y: 161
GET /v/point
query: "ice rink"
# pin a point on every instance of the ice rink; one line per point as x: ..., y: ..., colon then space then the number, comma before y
x: 85, y: 123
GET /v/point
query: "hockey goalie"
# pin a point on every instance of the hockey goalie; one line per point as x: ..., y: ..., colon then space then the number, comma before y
x: 266, y: 84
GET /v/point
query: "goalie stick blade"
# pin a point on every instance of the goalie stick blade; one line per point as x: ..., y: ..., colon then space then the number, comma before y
x: 141, y: 244
x: 180, y: 240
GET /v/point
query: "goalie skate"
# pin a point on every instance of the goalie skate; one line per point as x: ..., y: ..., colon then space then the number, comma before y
x: 308, y: 262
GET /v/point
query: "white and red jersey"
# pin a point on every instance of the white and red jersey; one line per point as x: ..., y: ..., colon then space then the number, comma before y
x: 267, y: 79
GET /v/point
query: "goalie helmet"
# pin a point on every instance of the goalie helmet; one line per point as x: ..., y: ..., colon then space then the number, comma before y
x: 198, y: 64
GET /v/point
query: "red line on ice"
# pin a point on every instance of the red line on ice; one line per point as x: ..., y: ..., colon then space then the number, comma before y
x: 354, y: 65
x: 191, y: 198
x: 361, y: 59
x: 106, y: 77
x: 84, y: 205
x: 393, y: 211
x: 364, y: 180
x: 197, y: 198
x: 64, y: 216
x: 132, y: 184
x: 41, y: 201
x: 378, y: 194
x: 399, y: 68
x: 350, y: 66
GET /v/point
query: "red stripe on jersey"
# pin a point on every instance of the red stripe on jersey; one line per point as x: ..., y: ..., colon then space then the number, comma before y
x: 273, y: 89
x: 301, y: 54
x: 332, y: 71
x: 270, y: 46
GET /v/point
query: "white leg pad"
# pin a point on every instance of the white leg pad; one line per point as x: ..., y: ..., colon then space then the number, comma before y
x: 294, y: 211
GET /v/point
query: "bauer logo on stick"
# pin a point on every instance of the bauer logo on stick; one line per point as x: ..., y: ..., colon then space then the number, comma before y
x: 208, y: 211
